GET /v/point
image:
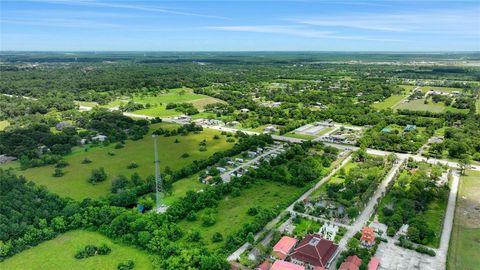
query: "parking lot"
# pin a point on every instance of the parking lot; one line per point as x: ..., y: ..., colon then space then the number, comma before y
x: 393, y: 257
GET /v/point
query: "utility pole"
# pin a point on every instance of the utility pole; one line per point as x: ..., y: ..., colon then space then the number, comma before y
x: 158, y: 178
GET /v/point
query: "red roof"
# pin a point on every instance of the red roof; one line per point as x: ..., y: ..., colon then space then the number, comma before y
x: 373, y: 264
x: 314, y: 250
x: 351, y: 263
x: 284, y: 246
x: 283, y: 265
x: 263, y: 266
x: 368, y: 235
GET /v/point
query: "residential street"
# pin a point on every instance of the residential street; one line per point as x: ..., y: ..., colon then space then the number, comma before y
x: 448, y: 221
x: 226, y: 176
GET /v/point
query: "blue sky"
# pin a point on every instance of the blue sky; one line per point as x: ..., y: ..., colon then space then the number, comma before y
x: 343, y: 25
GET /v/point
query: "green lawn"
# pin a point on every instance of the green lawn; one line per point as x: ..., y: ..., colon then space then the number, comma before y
x: 59, y: 254
x: 232, y: 211
x: 182, y: 186
x: 388, y: 103
x: 74, y: 183
x: 173, y: 96
x: 477, y: 106
x: 465, y: 238
x: 299, y: 135
x: 4, y: 124
x: 418, y: 105
x: 305, y: 226
x: 159, y: 102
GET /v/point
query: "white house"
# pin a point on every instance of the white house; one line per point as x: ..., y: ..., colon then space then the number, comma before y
x: 99, y: 138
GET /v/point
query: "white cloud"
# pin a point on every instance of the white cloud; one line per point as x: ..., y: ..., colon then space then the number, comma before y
x: 119, y: 5
x: 275, y: 29
x: 294, y: 30
x: 431, y: 21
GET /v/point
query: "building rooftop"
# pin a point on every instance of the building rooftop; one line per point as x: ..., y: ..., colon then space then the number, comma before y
x: 314, y: 250
x: 284, y: 246
x: 283, y: 265
x: 373, y: 264
x: 351, y: 263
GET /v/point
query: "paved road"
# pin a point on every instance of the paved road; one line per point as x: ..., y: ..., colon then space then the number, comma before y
x: 226, y: 176
x: 236, y: 254
x: 367, y: 211
x: 448, y: 221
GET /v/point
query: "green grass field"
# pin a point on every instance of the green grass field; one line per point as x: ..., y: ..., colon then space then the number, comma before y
x: 465, y: 238
x: 59, y: 254
x: 305, y: 226
x: 299, y: 135
x: 419, y: 105
x: 178, y: 95
x: 159, y: 102
x: 232, y: 211
x: 4, y: 124
x: 74, y: 183
x: 182, y: 186
x: 388, y: 103
x: 477, y: 106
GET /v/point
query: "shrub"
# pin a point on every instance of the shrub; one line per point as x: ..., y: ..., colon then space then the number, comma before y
x: 61, y: 164
x: 252, y: 211
x: 98, y: 175
x: 86, y: 161
x: 132, y: 165
x: 217, y: 237
x: 194, y: 236
x: 185, y: 155
x: 119, y: 184
x: 91, y: 250
x: 119, y: 146
x: 209, y: 219
x: 128, y: 265
x: 58, y: 173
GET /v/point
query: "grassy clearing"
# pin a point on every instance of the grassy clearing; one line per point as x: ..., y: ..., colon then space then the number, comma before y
x: 477, y: 106
x: 299, y: 135
x: 181, y: 187
x: 388, y: 103
x: 178, y: 95
x: 465, y: 238
x: 74, y: 183
x: 334, y: 179
x: 305, y: 226
x: 59, y: 253
x: 232, y: 211
x: 4, y: 124
x: 419, y: 105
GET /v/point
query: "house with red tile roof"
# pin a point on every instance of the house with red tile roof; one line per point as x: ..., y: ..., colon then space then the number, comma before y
x: 351, y: 263
x: 263, y: 266
x: 368, y: 237
x: 314, y: 251
x: 373, y: 264
x: 283, y: 247
x: 283, y: 265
